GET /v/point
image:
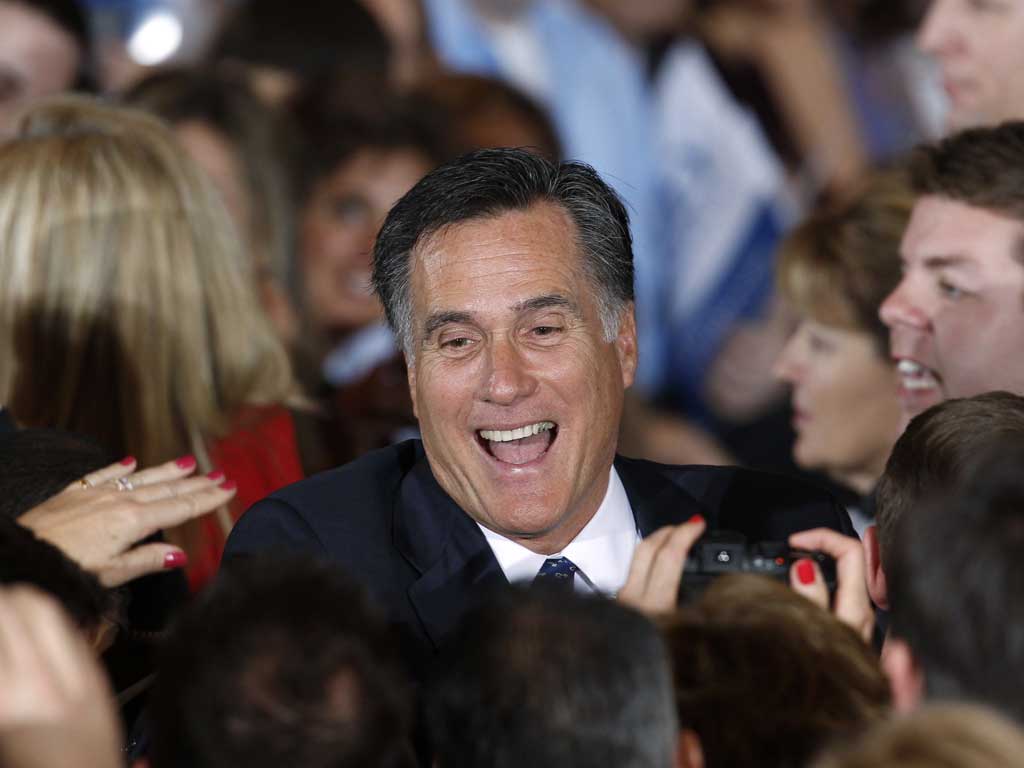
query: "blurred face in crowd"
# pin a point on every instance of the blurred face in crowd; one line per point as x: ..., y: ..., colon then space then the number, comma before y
x: 338, y: 227
x: 979, y: 45
x: 37, y: 59
x: 517, y: 391
x: 845, y: 410
x: 957, y: 316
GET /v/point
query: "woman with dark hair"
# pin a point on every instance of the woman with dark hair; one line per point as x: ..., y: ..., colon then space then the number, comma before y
x: 356, y: 159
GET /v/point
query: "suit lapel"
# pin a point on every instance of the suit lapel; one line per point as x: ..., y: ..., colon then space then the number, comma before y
x: 656, y: 502
x: 447, y: 549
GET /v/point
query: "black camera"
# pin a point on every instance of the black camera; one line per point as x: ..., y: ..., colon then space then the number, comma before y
x: 719, y: 552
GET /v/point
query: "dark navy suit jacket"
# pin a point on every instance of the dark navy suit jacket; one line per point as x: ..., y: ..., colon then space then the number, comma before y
x: 385, y: 519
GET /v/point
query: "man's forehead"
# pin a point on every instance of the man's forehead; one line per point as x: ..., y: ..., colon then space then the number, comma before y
x: 947, y: 233
x: 541, y: 237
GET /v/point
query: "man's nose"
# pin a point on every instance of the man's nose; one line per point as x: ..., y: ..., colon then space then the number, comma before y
x: 900, y: 308
x: 507, y: 378
x: 936, y: 33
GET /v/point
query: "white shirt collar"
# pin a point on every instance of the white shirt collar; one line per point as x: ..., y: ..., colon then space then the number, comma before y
x: 603, y: 550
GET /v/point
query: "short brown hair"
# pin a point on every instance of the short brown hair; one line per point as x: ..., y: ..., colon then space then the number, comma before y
x: 765, y: 677
x: 982, y: 167
x: 935, y: 450
x: 840, y: 264
x: 950, y: 735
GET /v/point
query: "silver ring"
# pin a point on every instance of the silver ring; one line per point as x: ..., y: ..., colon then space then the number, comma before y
x: 123, y: 484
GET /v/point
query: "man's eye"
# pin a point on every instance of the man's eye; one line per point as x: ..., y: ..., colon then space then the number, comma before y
x: 546, y: 331
x: 459, y: 342
x: 949, y: 290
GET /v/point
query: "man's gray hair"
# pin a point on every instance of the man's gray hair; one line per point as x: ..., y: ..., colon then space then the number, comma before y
x: 488, y: 183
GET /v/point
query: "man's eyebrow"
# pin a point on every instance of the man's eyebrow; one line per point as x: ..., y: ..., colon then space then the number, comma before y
x: 439, y: 319
x: 950, y: 260
x: 549, y: 301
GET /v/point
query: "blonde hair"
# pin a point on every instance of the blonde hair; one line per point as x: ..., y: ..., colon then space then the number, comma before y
x: 839, y: 264
x: 126, y: 300
x: 948, y: 735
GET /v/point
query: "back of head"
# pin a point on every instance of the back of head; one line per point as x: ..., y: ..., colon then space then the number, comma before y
x: 126, y: 299
x: 951, y: 736
x: 980, y: 167
x: 766, y: 678
x: 955, y: 579
x: 934, y: 451
x: 540, y: 680
x: 280, y: 663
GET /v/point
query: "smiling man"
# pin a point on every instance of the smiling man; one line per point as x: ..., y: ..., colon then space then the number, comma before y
x: 956, y: 319
x: 508, y: 281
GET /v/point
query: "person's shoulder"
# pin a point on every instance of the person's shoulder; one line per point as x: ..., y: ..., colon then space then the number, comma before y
x: 371, y: 480
x: 332, y: 511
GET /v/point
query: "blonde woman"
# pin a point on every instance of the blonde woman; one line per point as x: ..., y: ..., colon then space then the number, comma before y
x: 129, y: 313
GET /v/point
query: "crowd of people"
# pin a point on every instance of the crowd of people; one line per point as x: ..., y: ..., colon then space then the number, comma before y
x: 502, y: 382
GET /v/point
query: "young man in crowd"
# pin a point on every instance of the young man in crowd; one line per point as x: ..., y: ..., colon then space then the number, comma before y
x: 957, y: 316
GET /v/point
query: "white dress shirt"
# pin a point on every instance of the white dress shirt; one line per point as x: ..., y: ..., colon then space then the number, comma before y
x: 603, y: 550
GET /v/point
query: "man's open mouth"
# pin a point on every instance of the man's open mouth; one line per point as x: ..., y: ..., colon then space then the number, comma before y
x: 915, y: 377
x: 520, y: 445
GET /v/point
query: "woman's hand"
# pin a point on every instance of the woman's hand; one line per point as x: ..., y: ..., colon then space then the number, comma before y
x: 852, y: 603
x: 96, y: 521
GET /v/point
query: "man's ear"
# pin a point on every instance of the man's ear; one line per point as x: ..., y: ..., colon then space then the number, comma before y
x: 626, y: 345
x: 875, y: 574
x: 410, y: 374
x: 689, y: 753
x: 906, y: 679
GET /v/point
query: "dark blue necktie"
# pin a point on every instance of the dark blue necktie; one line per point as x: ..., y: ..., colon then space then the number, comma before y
x: 557, y: 574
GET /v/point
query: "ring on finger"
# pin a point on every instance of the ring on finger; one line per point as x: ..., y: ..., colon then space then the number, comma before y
x: 123, y: 484
x: 84, y: 483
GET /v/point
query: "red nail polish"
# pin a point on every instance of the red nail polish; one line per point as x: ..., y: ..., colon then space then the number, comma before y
x: 127, y: 461
x: 186, y: 462
x: 216, y: 475
x: 805, y: 571
x: 175, y: 560
x: 228, y: 485
x: 696, y: 519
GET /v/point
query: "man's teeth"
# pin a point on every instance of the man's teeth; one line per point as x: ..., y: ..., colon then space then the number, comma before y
x: 916, y: 376
x: 504, y: 435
